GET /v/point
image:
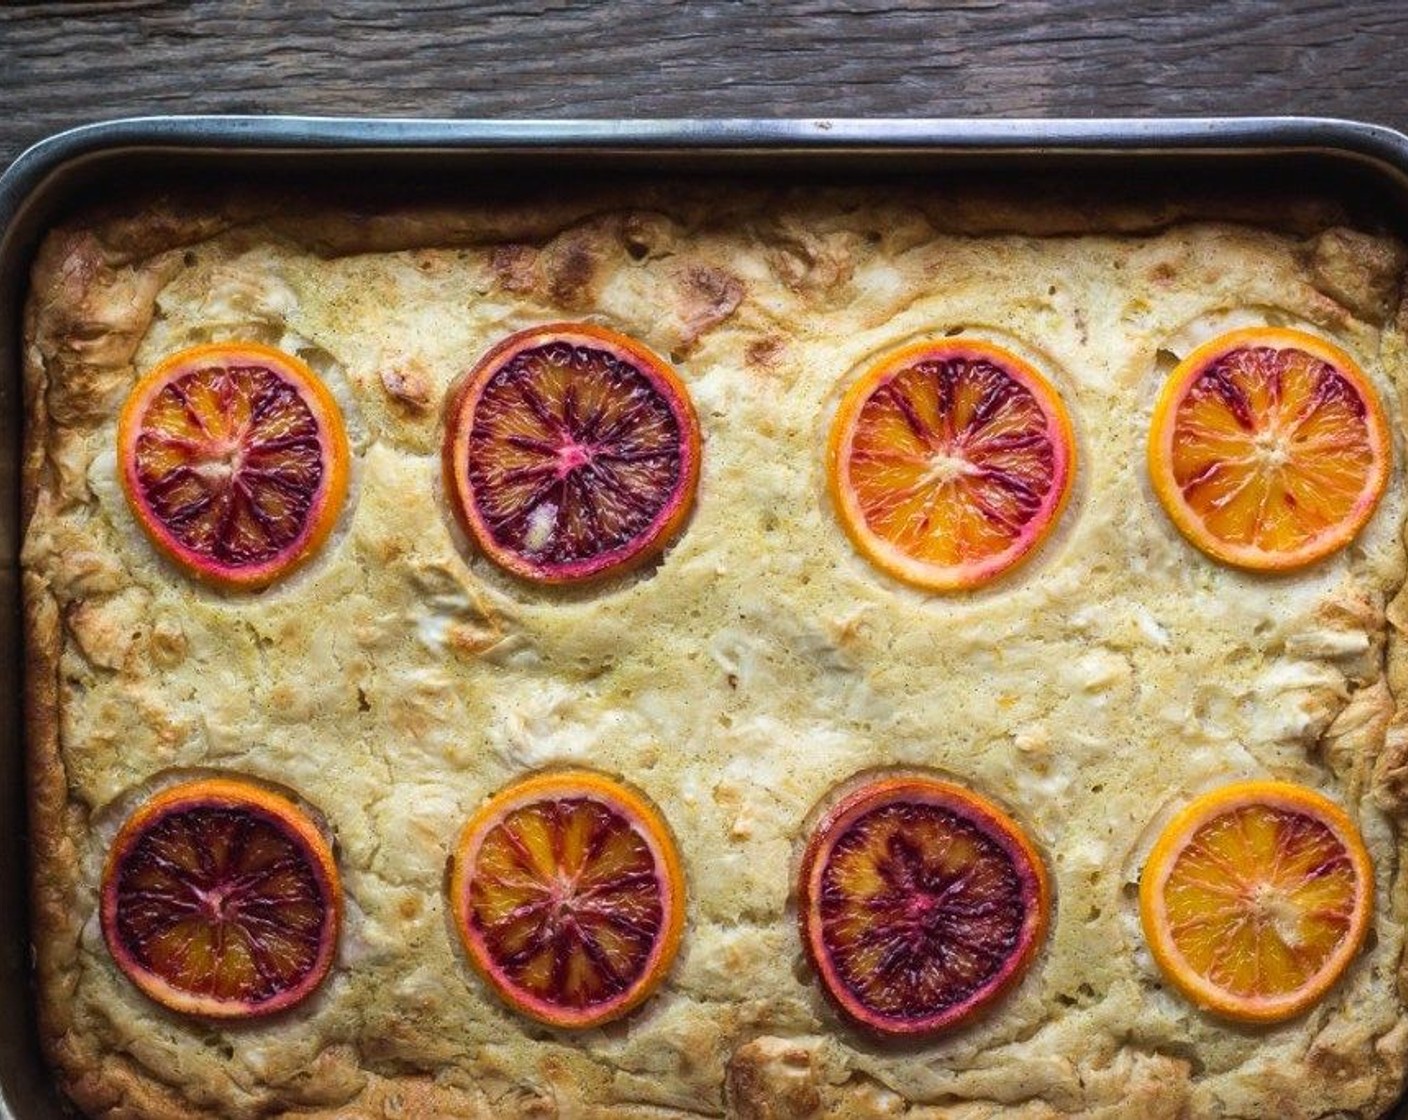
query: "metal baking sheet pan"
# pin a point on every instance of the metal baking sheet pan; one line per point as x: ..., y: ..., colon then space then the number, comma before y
x: 1366, y: 164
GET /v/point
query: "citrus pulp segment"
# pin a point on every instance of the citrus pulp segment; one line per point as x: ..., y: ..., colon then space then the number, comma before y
x: 568, y: 895
x: 1255, y: 898
x: 1269, y: 448
x: 221, y: 899
x: 571, y: 453
x: 234, y: 460
x: 920, y: 903
x: 949, y: 462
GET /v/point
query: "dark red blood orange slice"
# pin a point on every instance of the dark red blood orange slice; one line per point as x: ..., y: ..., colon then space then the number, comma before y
x: 221, y: 899
x: 568, y: 895
x: 571, y: 453
x: 949, y: 462
x: 234, y: 460
x: 920, y: 903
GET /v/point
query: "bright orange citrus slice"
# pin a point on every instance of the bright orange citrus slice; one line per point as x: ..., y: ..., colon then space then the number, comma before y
x: 234, y: 460
x: 1255, y: 898
x: 568, y: 895
x: 1269, y: 448
x: 571, y: 454
x: 949, y: 462
x: 920, y: 904
x: 220, y: 899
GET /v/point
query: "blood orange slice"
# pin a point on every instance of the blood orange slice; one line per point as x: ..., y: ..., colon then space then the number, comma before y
x: 1269, y: 448
x: 920, y: 903
x: 571, y: 453
x: 220, y: 899
x: 234, y: 460
x: 949, y: 462
x: 568, y: 895
x: 1255, y: 898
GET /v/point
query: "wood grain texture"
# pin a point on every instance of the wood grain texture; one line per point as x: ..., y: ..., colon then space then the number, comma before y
x: 67, y: 63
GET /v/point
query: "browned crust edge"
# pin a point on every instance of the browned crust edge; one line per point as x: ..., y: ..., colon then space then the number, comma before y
x: 95, y: 1082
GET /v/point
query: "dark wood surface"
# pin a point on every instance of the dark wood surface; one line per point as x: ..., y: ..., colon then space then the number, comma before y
x: 67, y: 63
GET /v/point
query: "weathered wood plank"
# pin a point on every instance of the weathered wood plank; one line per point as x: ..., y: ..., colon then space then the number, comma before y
x: 66, y: 63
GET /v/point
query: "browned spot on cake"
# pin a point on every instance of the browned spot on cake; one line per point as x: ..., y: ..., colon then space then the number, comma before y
x: 107, y: 629
x: 706, y: 296
x: 538, y: 1108
x: 332, y: 1078
x: 563, y: 1086
x: 1361, y: 272
x: 167, y: 644
x: 1328, y: 313
x: 645, y: 234
x: 1162, y: 274
x: 1389, y: 783
x: 1351, y: 609
x: 807, y: 262
x: 765, y: 353
x: 570, y: 268
x: 92, y: 326
x: 772, y: 1079
x: 432, y: 262
x: 472, y: 638
x: 514, y: 267
x: 848, y: 631
x: 475, y: 626
x: 407, y: 385
x: 1334, y: 1063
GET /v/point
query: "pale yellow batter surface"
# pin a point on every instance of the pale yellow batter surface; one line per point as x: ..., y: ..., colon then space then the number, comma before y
x: 398, y: 680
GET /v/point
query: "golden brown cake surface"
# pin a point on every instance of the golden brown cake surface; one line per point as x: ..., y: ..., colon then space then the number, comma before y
x: 397, y: 680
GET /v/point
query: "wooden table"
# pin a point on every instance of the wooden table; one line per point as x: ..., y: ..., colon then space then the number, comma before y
x: 63, y: 64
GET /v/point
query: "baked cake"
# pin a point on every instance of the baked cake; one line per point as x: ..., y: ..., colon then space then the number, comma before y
x: 737, y: 681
